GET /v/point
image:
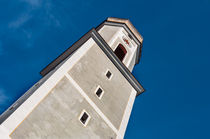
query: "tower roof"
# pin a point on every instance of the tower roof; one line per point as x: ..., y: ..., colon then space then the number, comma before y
x: 128, y: 24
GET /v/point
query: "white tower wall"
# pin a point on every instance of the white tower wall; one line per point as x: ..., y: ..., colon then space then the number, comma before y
x: 113, y: 36
x: 77, y: 99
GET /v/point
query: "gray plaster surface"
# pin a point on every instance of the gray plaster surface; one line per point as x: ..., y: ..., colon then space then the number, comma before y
x: 56, y: 117
x: 89, y: 72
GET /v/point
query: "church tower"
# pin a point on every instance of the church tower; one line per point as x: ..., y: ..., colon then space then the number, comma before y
x: 86, y: 93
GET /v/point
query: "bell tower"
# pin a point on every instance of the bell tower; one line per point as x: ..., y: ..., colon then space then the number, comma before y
x: 124, y: 40
x: 87, y: 92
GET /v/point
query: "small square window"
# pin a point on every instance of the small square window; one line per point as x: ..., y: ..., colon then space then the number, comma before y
x: 108, y: 74
x: 84, y: 118
x: 99, y: 92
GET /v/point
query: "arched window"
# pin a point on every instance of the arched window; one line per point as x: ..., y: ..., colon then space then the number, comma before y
x: 120, y: 52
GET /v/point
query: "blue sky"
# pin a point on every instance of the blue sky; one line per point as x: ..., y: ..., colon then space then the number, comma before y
x: 174, y: 68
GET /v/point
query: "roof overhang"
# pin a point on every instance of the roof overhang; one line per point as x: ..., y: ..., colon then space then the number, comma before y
x: 128, y: 24
x: 125, y: 23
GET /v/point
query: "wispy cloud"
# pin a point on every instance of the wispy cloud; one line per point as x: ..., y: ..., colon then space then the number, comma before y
x: 35, y: 10
x: 34, y: 3
x: 27, y: 15
x: 19, y: 21
x: 38, y: 5
x: 52, y: 19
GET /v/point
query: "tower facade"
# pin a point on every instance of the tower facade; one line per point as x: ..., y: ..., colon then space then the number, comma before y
x: 85, y: 93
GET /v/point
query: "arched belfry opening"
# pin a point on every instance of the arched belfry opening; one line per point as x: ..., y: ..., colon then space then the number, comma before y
x: 120, y: 52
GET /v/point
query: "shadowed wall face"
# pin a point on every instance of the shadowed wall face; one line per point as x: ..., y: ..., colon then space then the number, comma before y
x: 90, y: 72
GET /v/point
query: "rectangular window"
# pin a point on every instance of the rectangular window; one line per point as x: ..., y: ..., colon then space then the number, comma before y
x: 108, y: 74
x: 99, y: 92
x: 84, y: 118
